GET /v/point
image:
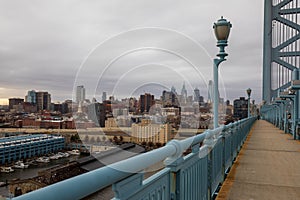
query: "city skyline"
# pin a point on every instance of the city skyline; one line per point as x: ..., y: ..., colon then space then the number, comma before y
x: 158, y: 95
x: 56, y: 41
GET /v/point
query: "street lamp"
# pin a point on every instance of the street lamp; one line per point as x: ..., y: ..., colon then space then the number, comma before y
x: 253, y: 109
x: 222, y: 30
x: 249, y: 93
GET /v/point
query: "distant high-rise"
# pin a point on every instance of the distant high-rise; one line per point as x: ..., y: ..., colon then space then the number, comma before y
x: 196, y: 95
x: 240, y: 108
x: 210, y: 91
x: 104, y: 96
x: 14, y: 101
x: 97, y: 113
x: 169, y: 99
x: 173, y: 90
x: 201, y: 99
x: 80, y: 93
x: 183, y: 90
x: 31, y: 97
x: 145, y: 102
x: 183, y: 94
x: 43, y: 101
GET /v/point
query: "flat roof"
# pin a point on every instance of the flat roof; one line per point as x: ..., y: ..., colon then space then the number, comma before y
x: 24, y: 139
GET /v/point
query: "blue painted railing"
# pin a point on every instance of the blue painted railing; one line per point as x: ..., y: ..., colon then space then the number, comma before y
x: 278, y: 114
x: 196, y: 175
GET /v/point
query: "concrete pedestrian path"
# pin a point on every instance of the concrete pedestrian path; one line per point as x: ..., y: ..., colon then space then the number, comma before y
x: 267, y: 167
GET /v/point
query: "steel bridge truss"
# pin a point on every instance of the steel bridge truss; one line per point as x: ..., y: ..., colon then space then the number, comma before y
x: 281, y: 45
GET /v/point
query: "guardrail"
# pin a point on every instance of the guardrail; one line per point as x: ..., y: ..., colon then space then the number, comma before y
x: 196, y: 175
x: 282, y: 117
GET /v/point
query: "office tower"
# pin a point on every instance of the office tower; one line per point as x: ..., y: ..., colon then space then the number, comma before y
x: 240, y: 108
x: 173, y: 90
x: 97, y: 113
x: 196, y: 95
x: 183, y: 94
x: 31, y: 97
x: 58, y: 107
x: 210, y: 91
x: 145, y: 102
x: 65, y: 108
x: 169, y: 99
x: 43, y: 101
x: 14, y: 102
x: 104, y: 96
x: 132, y: 104
x: 201, y: 99
x: 80, y: 93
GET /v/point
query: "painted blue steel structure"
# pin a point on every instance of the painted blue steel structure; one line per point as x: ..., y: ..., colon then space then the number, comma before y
x: 281, y: 64
x: 281, y: 45
x: 196, y: 175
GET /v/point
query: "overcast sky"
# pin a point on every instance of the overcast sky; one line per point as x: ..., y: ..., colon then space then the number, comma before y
x: 127, y: 47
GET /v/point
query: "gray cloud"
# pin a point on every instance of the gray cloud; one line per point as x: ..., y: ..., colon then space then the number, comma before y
x: 43, y: 43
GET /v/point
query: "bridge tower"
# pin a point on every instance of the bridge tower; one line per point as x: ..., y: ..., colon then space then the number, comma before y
x: 281, y: 51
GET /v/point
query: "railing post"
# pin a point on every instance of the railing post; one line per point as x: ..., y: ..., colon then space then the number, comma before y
x: 238, y: 137
x: 223, y: 135
x: 175, y: 179
x: 285, y: 118
x: 123, y: 189
x: 278, y: 116
x: 282, y: 116
x: 181, y: 169
x: 209, y: 142
x: 234, y: 140
x: 231, y: 133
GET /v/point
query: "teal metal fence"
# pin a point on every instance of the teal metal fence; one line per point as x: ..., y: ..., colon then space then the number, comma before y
x: 196, y: 175
x: 283, y: 114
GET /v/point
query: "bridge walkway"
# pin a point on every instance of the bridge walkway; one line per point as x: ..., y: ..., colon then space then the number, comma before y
x: 267, y: 167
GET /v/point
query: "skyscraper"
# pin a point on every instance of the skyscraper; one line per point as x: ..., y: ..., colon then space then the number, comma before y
x: 169, y: 99
x: 104, y: 96
x: 183, y: 90
x: 240, y: 109
x: 97, y: 113
x: 210, y: 91
x: 183, y: 94
x: 43, y: 101
x: 173, y: 90
x: 31, y: 97
x: 80, y: 93
x: 145, y: 102
x: 196, y: 95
